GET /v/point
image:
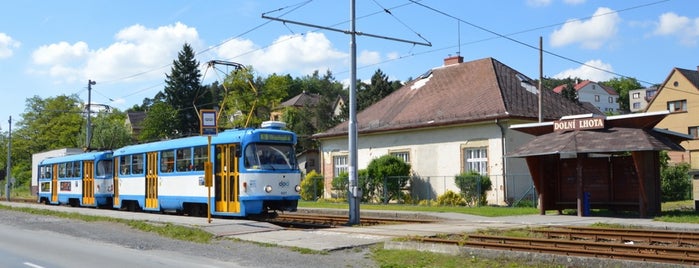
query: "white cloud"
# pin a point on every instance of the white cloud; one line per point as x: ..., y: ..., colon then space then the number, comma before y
x: 539, y: 3
x: 295, y: 54
x: 61, y: 53
x: 591, y: 34
x: 368, y: 57
x: 7, y: 44
x: 589, y: 73
x: 137, y: 50
x: 683, y: 27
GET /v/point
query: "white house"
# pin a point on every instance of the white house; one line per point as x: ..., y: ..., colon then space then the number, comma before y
x: 601, y: 96
x: 452, y: 119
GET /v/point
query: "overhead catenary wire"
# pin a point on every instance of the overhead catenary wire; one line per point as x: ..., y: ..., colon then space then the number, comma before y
x: 294, y: 7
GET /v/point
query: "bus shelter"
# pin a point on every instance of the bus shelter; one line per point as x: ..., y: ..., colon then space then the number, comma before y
x: 591, y: 161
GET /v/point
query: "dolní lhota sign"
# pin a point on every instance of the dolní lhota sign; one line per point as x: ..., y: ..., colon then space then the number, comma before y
x: 578, y: 124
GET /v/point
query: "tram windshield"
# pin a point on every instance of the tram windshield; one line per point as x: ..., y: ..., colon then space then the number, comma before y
x: 270, y: 156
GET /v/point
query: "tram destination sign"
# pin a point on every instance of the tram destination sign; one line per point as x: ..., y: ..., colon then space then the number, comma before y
x: 578, y: 124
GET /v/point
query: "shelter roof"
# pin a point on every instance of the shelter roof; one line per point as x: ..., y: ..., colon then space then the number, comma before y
x: 623, y: 133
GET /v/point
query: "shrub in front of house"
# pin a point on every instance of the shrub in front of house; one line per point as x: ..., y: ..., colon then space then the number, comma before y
x: 474, y: 187
x: 312, y: 186
x: 450, y: 198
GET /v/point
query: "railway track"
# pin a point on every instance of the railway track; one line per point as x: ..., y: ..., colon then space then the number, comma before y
x: 330, y: 221
x: 612, y: 243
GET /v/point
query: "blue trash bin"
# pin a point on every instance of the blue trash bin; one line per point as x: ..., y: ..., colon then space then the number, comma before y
x: 586, y: 204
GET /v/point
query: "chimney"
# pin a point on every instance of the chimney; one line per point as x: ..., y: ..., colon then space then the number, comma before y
x: 453, y: 60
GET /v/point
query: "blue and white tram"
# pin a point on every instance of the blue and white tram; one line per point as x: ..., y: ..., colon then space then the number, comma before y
x: 254, y: 171
x: 78, y: 180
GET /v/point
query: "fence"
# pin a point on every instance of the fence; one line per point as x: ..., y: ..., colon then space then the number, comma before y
x: 510, y: 190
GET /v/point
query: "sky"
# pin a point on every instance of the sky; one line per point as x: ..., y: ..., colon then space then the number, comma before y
x: 53, y: 48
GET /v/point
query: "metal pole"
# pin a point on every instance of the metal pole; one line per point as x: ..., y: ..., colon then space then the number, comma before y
x: 355, y: 192
x: 541, y: 74
x: 8, y: 184
x: 89, y: 123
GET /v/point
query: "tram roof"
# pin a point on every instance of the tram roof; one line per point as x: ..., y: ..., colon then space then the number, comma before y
x: 78, y: 157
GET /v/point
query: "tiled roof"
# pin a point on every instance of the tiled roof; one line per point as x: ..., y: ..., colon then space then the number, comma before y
x: 692, y: 76
x: 136, y: 118
x: 609, y: 90
x: 479, y: 90
x: 301, y: 100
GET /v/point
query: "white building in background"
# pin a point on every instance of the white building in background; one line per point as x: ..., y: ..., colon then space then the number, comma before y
x: 639, y: 98
x: 603, y: 97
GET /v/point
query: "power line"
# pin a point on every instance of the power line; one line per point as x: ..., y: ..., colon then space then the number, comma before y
x: 536, y: 48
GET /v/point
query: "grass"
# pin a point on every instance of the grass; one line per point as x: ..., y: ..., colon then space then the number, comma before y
x: 166, y: 230
x: 489, y: 211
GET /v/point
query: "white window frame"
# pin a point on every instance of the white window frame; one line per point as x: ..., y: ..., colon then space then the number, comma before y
x: 402, y: 154
x: 340, y: 164
x: 476, y: 159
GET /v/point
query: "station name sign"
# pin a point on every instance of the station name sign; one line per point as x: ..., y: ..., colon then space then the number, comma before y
x: 578, y: 124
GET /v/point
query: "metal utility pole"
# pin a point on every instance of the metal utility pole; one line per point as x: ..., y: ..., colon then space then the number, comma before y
x: 89, y: 119
x: 541, y: 76
x: 8, y: 183
x: 355, y: 195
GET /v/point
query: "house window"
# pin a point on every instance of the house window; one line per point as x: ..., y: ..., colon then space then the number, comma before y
x: 405, y: 155
x: 476, y: 159
x: 677, y: 106
x: 693, y: 131
x: 596, y: 98
x: 339, y: 165
x: 637, y: 105
x: 611, y: 99
x: 637, y: 95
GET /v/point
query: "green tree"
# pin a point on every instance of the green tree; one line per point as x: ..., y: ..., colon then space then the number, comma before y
x: 159, y: 122
x: 109, y: 131
x: 46, y: 124
x: 474, y: 187
x: 379, y: 88
x: 569, y: 91
x: 623, y: 86
x: 250, y: 101
x: 53, y: 123
x: 388, y: 175
x: 183, y: 91
x: 675, y: 183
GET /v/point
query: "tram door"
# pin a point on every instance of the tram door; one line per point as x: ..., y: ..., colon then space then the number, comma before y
x: 152, y: 180
x: 88, y: 183
x: 54, y: 184
x: 115, y: 199
x: 226, y: 178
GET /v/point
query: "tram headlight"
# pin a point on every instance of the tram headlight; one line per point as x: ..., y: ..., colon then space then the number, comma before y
x: 297, y: 188
x: 268, y: 188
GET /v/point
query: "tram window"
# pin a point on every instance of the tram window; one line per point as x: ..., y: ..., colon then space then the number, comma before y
x: 62, y: 170
x: 269, y: 156
x: 77, y: 170
x: 124, y: 165
x: 45, y: 172
x: 184, y: 159
x: 104, y: 167
x: 167, y: 161
x: 199, y: 157
x: 137, y: 164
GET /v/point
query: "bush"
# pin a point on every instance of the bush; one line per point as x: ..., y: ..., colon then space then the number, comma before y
x: 379, y: 171
x: 312, y: 186
x: 450, y: 198
x: 675, y: 183
x: 474, y: 187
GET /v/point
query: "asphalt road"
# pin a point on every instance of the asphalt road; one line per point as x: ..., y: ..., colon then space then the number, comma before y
x: 34, y: 241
